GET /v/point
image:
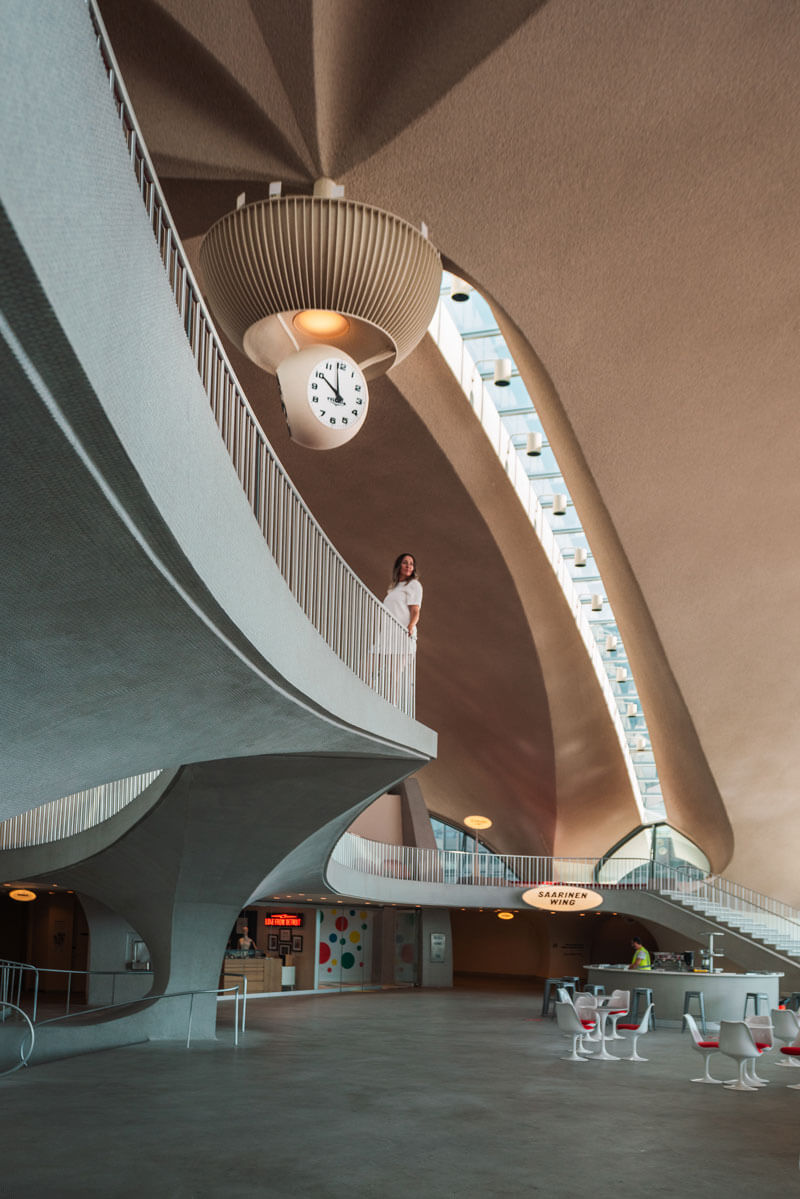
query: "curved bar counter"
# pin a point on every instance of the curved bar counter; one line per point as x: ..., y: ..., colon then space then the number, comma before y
x: 724, y: 994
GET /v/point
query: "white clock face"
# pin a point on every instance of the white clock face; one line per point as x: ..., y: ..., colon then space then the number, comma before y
x: 337, y: 393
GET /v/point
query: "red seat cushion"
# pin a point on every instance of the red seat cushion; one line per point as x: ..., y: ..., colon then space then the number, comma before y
x: 763, y: 1045
x: 793, y: 1050
x: 627, y: 1026
x: 708, y: 1044
x: 588, y: 1023
x: 617, y: 1011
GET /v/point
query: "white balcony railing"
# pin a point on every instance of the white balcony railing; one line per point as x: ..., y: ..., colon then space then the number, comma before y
x: 480, y: 869
x: 344, y: 612
x: 72, y: 814
x: 720, y: 899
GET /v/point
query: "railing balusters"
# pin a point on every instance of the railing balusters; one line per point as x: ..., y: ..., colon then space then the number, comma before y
x: 459, y: 866
x: 332, y: 599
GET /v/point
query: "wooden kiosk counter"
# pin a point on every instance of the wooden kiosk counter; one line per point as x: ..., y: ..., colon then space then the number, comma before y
x: 724, y: 994
x: 262, y: 974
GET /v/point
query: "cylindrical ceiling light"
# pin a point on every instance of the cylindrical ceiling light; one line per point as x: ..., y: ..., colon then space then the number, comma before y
x: 559, y: 504
x: 597, y: 603
x: 460, y: 290
x: 304, y: 273
x: 533, y: 445
x: 502, y: 372
x: 640, y: 743
x: 631, y: 710
x: 611, y: 644
x: 622, y: 674
x: 580, y: 556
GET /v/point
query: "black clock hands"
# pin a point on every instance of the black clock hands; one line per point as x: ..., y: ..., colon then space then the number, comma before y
x: 335, y: 390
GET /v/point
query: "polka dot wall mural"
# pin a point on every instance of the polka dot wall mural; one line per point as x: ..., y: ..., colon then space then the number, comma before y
x: 345, y: 952
x: 405, y: 947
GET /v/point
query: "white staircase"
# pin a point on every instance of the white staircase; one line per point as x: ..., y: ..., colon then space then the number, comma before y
x: 765, y: 920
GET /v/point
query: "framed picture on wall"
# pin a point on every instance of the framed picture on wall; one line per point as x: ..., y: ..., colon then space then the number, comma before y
x: 272, y: 942
x: 285, y: 934
x: 297, y: 943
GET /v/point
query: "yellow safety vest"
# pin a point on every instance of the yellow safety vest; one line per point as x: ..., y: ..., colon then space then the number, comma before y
x: 641, y: 959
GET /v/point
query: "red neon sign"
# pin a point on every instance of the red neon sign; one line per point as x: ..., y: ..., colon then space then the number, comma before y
x: 284, y: 920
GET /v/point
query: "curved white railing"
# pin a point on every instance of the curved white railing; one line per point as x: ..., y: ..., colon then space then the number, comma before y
x: 72, y: 813
x: 719, y: 899
x: 482, y: 869
x: 344, y: 612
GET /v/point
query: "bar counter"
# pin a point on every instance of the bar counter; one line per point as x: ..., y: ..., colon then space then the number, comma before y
x: 724, y: 994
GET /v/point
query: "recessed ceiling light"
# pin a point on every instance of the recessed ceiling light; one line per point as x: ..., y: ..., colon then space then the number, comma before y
x: 321, y: 322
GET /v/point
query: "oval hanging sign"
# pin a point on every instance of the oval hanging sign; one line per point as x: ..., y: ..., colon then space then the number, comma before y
x: 561, y: 897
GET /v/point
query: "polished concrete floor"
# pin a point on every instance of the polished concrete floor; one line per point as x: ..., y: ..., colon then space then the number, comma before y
x: 445, y: 1094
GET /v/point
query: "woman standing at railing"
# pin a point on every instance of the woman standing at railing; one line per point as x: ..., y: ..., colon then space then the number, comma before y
x: 403, y: 601
x: 404, y: 597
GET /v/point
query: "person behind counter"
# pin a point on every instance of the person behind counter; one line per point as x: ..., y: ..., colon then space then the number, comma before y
x: 641, y: 958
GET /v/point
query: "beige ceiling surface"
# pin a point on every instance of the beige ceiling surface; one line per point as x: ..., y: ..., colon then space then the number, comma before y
x: 622, y: 179
x: 524, y: 734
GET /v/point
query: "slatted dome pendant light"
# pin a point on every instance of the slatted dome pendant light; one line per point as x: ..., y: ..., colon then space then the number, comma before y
x: 324, y: 292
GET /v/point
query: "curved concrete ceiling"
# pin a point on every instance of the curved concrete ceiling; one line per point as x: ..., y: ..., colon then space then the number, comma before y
x: 622, y: 180
x: 524, y: 734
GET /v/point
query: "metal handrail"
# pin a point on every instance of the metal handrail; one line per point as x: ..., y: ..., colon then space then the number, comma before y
x: 106, y: 1007
x: 236, y: 974
x: 352, y: 621
x: 11, y: 977
x: 23, y: 1056
x: 72, y: 814
x: 485, y: 869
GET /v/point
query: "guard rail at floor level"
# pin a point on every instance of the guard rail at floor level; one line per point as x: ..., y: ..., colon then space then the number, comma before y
x: 17, y: 1037
x: 13, y: 983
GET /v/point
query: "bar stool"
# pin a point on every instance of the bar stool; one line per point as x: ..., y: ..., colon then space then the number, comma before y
x: 688, y: 996
x: 756, y: 997
x: 644, y: 994
x: 571, y: 978
x: 594, y: 989
x: 569, y: 985
x: 550, y: 985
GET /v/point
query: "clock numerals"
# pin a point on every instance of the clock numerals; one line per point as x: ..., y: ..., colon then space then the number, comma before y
x: 336, y: 393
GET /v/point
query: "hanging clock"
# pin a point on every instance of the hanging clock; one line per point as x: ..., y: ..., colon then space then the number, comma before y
x: 324, y: 396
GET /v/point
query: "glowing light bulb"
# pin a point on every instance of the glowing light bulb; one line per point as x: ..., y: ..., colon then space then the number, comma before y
x: 321, y: 322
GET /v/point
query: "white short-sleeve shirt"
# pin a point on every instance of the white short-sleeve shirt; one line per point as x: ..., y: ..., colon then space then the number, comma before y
x: 402, y: 597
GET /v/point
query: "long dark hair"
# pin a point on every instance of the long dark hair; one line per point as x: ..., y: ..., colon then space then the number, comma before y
x: 396, y: 568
